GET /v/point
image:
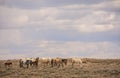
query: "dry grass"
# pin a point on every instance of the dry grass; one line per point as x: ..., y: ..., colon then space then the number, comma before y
x: 94, y: 68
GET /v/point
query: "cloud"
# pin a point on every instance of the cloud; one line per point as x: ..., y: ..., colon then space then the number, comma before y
x: 9, y: 54
x: 57, y: 22
x: 10, y: 36
x: 12, y: 56
x: 51, y: 17
x: 76, y: 48
x: 44, y: 48
x: 94, y: 28
x: 60, y: 28
x: 11, y: 17
x: 4, y: 51
x: 30, y: 4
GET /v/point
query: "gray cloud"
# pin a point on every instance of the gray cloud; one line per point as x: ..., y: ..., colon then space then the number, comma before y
x: 30, y: 4
x: 61, y: 27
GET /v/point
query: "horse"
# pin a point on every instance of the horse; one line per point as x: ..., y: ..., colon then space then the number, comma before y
x: 8, y: 63
x: 29, y: 62
x: 76, y: 60
x: 46, y: 61
x: 34, y: 61
x: 24, y: 61
x: 57, y: 62
x: 64, y: 61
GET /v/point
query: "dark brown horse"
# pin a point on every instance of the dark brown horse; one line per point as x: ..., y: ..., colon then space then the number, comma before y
x: 64, y: 61
x: 8, y: 63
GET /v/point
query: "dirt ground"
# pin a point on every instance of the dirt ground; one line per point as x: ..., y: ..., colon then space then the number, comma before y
x: 93, y: 68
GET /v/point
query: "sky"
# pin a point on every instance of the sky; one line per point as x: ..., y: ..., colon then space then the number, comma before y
x: 59, y: 28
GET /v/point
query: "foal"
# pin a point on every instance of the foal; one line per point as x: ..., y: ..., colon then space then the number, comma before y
x: 8, y: 63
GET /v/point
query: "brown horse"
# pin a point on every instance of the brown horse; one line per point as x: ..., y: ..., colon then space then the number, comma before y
x: 8, y: 63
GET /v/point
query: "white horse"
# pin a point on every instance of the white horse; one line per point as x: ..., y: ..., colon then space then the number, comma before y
x: 46, y: 61
x: 76, y: 60
x: 28, y: 61
x: 24, y: 61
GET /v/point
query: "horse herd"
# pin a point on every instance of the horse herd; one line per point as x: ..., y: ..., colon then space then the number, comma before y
x: 53, y: 62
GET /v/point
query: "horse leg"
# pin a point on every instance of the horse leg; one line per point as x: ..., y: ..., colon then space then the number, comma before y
x: 31, y: 63
x: 27, y: 65
x: 58, y: 64
x: 80, y: 64
x: 21, y: 65
x: 65, y: 63
x: 5, y: 66
x: 62, y: 64
x: 73, y: 64
x: 36, y: 64
x: 11, y: 65
x: 51, y: 63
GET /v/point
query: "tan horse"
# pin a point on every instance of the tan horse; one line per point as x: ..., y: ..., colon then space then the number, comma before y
x: 56, y: 62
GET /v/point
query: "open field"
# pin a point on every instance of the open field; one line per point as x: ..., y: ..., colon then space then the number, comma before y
x: 93, y: 68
